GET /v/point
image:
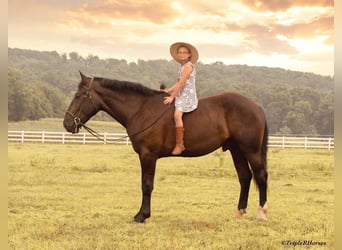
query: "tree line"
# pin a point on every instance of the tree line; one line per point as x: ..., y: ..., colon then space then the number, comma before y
x: 41, y: 84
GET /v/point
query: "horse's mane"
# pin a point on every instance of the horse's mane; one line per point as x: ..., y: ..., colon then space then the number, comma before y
x: 126, y: 86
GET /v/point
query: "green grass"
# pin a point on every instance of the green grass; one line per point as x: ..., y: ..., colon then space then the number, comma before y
x: 85, y: 197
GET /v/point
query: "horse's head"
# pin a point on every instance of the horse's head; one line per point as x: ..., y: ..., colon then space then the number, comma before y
x: 82, y: 107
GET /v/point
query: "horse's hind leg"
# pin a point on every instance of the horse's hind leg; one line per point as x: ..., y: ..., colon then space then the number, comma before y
x: 245, y: 176
x: 260, y: 174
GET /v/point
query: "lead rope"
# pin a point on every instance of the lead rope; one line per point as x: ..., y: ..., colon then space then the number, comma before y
x: 93, y: 132
x: 78, y: 122
x: 149, y: 126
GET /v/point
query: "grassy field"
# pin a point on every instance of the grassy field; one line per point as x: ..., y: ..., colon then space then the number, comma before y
x: 85, y: 197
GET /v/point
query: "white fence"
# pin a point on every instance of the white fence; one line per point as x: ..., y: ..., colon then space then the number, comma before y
x: 121, y: 138
x: 64, y: 137
x: 301, y: 142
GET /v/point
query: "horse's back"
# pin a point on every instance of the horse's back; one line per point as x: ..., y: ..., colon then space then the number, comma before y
x: 242, y: 108
x: 230, y: 106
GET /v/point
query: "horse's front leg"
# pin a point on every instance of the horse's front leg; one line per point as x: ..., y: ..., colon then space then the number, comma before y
x: 148, y: 166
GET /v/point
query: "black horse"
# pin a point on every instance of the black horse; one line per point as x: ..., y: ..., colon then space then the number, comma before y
x: 227, y: 120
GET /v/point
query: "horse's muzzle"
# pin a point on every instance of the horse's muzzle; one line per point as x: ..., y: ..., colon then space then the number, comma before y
x: 70, y: 125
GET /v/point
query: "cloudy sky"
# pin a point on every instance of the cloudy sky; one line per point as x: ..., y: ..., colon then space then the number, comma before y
x: 291, y: 34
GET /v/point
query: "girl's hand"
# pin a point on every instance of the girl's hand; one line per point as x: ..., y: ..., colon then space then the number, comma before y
x: 167, y: 91
x: 168, y: 99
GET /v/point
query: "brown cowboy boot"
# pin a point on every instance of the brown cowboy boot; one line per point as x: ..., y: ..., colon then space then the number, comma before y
x: 179, y: 148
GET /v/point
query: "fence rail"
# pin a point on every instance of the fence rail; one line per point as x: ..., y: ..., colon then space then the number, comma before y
x: 64, y: 137
x: 121, y: 138
x: 301, y: 142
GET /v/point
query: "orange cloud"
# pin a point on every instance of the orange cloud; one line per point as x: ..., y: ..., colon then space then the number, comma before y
x: 320, y: 26
x: 205, y: 7
x: 281, y: 5
x: 264, y: 38
x: 153, y: 11
x: 262, y: 34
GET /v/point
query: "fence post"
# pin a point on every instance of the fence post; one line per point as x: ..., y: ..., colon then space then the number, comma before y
x: 22, y: 136
x: 43, y: 134
x: 221, y: 161
x: 84, y: 137
x: 105, y: 138
x: 305, y: 142
x: 329, y: 145
x: 283, y: 142
x: 63, y: 137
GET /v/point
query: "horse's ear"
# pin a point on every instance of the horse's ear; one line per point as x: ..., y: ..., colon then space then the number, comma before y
x: 84, y: 78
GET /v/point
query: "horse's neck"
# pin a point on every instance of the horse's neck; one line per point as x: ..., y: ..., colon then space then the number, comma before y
x: 122, y: 107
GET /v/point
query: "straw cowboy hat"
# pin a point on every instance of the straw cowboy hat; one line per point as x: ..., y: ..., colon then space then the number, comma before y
x: 174, y: 49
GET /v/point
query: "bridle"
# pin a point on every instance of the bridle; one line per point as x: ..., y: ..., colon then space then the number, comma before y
x: 77, y: 120
x: 79, y: 123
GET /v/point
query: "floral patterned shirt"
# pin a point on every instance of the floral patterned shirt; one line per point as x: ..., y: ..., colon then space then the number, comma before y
x: 186, y: 100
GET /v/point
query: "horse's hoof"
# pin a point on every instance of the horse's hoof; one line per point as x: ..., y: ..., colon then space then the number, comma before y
x: 137, y: 222
x: 262, y: 213
x: 239, y: 213
x: 261, y: 216
x: 138, y: 219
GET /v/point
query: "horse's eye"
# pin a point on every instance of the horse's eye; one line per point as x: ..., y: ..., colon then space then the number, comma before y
x: 77, y: 95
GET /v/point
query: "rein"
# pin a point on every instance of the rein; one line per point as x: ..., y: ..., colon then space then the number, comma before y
x: 77, y: 122
x: 154, y: 122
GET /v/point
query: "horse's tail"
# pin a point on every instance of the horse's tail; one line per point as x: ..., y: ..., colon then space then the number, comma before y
x: 263, y: 156
x: 264, y: 145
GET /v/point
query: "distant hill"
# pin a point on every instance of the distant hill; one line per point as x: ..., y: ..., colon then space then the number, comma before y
x: 295, y: 102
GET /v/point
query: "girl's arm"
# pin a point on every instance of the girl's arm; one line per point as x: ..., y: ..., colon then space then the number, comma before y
x: 169, y: 90
x: 174, y: 90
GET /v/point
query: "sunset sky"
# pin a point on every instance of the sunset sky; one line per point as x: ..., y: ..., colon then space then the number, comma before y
x: 291, y: 34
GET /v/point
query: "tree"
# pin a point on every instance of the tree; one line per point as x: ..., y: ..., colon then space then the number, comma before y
x: 324, y: 115
x: 74, y: 56
x: 32, y: 101
x: 18, y: 103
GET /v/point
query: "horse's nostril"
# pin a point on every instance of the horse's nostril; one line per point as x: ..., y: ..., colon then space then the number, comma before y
x: 68, y: 124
